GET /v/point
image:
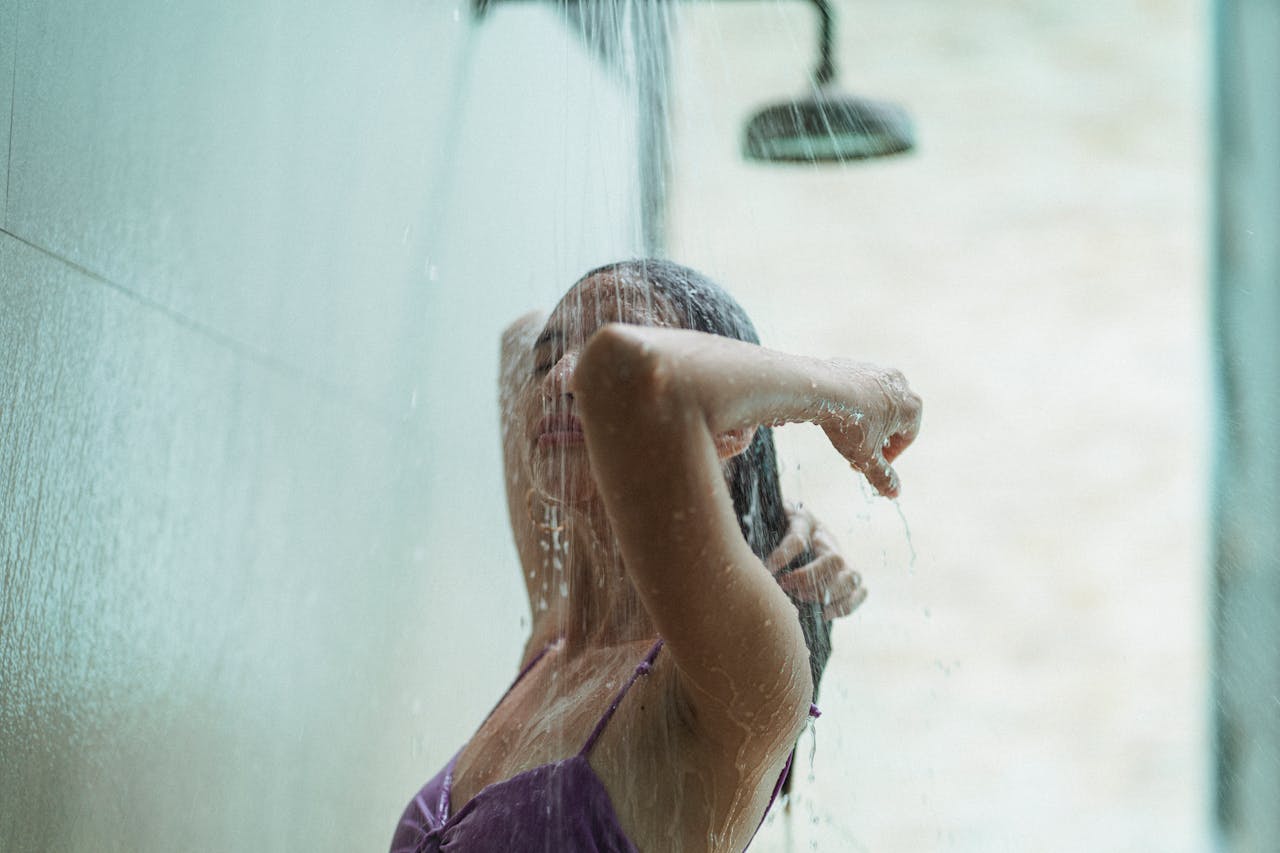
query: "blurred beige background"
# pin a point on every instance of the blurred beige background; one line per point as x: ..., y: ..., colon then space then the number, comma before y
x: 1030, y: 670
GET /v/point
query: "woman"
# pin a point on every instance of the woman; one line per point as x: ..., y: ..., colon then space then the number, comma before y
x: 652, y: 498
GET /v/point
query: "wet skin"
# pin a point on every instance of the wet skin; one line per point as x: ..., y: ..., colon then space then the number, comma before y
x: 553, y: 433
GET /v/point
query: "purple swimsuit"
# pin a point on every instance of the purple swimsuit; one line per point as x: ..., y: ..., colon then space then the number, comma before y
x: 558, y: 808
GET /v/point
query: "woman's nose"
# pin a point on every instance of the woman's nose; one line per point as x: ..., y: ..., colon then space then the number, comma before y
x: 560, y: 377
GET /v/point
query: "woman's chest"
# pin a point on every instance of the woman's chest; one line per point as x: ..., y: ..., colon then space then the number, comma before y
x: 659, y: 785
x: 542, y: 721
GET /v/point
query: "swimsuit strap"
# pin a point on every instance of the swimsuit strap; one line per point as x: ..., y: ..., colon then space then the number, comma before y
x: 782, y: 777
x: 641, y: 669
x: 786, y: 768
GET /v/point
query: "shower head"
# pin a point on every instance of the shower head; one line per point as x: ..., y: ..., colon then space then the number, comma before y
x: 827, y: 128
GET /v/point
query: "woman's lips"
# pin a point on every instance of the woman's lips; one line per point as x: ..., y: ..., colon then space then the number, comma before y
x: 559, y: 429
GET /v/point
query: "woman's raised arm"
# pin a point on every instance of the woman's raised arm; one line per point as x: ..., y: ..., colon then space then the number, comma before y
x: 661, y: 409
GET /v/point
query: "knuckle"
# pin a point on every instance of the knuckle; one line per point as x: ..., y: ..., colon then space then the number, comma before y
x: 801, y: 573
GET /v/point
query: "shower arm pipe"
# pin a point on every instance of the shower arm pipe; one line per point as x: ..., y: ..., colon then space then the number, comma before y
x: 822, y: 75
x: 826, y: 70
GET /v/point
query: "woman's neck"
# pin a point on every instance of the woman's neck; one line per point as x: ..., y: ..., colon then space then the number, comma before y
x: 591, y: 601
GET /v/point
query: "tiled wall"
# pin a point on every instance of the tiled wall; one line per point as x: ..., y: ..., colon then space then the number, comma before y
x: 254, y: 260
x: 8, y: 43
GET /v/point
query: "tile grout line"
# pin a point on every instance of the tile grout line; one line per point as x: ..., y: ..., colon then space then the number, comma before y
x: 387, y: 416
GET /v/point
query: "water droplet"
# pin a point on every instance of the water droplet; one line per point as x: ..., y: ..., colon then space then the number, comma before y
x: 564, y: 589
x: 906, y: 529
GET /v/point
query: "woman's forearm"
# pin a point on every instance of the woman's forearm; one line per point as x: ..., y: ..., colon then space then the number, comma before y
x: 737, y: 385
x: 869, y: 414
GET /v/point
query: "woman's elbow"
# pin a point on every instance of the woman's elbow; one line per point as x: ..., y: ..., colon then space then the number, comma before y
x: 619, y: 366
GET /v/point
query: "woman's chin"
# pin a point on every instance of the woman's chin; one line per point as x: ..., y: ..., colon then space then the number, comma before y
x: 560, y: 483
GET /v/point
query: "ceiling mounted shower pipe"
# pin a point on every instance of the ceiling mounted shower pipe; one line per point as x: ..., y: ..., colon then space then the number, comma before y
x: 826, y: 127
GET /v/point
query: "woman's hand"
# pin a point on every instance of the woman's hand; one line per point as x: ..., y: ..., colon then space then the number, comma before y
x: 878, y: 420
x: 827, y: 580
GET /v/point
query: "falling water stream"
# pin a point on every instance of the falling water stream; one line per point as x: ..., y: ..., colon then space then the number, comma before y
x: 256, y: 259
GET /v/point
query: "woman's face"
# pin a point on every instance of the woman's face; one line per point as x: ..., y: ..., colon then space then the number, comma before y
x: 553, y: 433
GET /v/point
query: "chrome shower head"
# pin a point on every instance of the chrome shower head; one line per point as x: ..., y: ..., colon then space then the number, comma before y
x: 827, y: 128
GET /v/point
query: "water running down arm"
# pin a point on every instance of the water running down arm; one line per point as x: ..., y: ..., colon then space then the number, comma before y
x: 654, y: 404
x: 828, y: 580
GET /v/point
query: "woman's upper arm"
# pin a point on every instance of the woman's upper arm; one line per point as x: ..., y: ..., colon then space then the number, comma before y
x: 733, y: 633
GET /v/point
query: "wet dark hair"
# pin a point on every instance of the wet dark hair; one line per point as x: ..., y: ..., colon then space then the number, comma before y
x: 704, y: 306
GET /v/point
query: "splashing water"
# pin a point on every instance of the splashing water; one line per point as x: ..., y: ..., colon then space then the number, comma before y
x: 906, y: 531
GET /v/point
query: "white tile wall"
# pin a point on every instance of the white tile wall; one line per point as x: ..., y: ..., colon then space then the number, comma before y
x: 187, y: 545
x: 8, y: 43
x: 250, y: 166
x: 257, y: 260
